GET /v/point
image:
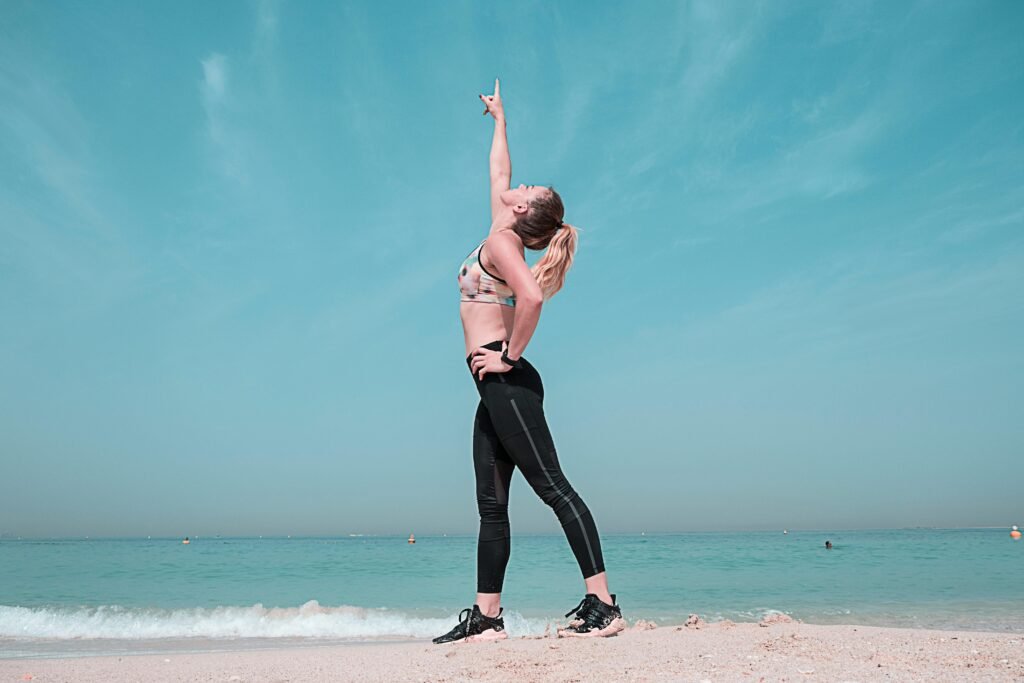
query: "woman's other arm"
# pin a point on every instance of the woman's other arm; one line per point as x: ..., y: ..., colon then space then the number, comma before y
x: 501, y: 163
x: 504, y: 250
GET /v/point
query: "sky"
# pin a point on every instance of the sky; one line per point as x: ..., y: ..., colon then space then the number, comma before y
x: 229, y: 235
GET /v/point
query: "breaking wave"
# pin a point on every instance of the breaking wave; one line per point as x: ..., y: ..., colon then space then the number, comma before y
x: 311, y: 620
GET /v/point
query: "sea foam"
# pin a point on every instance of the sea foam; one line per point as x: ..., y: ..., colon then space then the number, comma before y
x: 311, y: 620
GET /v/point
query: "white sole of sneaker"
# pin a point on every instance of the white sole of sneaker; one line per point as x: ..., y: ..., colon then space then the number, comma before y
x: 611, y: 629
x: 490, y: 635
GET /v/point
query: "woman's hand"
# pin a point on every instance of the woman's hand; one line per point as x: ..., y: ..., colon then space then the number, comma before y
x: 493, y: 102
x: 485, y: 361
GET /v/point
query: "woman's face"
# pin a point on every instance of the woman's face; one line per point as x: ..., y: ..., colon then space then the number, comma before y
x: 523, y: 195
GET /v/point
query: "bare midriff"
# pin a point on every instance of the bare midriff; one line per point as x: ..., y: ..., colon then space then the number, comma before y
x: 485, y: 322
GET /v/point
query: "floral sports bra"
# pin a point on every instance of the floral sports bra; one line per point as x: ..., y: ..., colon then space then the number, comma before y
x: 476, y: 284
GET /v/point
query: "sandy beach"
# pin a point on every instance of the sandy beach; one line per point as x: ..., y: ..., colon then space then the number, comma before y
x: 785, y: 651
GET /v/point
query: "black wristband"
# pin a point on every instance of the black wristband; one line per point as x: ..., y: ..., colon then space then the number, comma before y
x: 508, y: 361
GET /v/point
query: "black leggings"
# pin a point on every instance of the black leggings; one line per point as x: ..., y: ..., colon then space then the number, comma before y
x: 509, y: 432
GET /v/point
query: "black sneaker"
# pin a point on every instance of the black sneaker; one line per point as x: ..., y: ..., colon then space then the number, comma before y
x: 474, y: 627
x: 594, y: 618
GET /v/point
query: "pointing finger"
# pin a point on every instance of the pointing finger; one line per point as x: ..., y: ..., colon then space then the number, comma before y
x: 497, y: 87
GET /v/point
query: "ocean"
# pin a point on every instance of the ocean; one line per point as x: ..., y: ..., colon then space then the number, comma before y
x: 103, y: 596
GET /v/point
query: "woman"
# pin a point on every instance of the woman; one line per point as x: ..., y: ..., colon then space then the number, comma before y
x: 501, y: 302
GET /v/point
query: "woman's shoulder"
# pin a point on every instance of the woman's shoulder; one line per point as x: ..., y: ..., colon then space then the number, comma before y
x: 503, y: 238
x: 501, y: 246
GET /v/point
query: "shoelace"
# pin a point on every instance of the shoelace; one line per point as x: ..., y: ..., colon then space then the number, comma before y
x: 582, y: 608
x: 577, y: 607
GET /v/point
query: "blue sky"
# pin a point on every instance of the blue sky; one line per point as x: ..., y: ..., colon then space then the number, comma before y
x: 229, y: 234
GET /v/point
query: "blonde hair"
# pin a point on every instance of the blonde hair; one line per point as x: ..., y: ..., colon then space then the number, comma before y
x: 551, y: 269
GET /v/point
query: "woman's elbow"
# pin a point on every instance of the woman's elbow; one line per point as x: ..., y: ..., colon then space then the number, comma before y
x: 531, y: 299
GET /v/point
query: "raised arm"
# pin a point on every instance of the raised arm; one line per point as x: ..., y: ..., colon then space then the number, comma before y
x: 501, y: 163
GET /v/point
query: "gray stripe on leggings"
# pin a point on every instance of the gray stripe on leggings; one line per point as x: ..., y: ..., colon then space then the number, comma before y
x: 593, y: 563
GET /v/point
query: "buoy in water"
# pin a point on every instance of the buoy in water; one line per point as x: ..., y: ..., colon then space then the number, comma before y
x: 412, y: 538
x: 1015, y: 533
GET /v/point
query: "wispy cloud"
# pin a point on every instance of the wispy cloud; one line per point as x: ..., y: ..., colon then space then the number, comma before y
x: 43, y: 126
x: 215, y: 78
x: 849, y: 20
x: 348, y: 318
x: 824, y: 166
x: 62, y: 239
x: 266, y: 22
x: 717, y: 36
x: 856, y: 304
x: 264, y: 52
x: 228, y: 148
x: 727, y: 162
x: 973, y: 228
x: 688, y: 63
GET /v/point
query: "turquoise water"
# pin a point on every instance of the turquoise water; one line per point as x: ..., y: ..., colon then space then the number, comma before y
x: 70, y: 595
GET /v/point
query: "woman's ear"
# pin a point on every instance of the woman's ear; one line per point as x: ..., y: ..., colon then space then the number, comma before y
x: 520, y: 208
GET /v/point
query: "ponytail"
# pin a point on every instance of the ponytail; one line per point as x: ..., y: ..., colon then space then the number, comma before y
x: 550, y: 270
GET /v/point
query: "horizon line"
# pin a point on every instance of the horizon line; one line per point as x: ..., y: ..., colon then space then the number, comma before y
x: 13, y: 537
